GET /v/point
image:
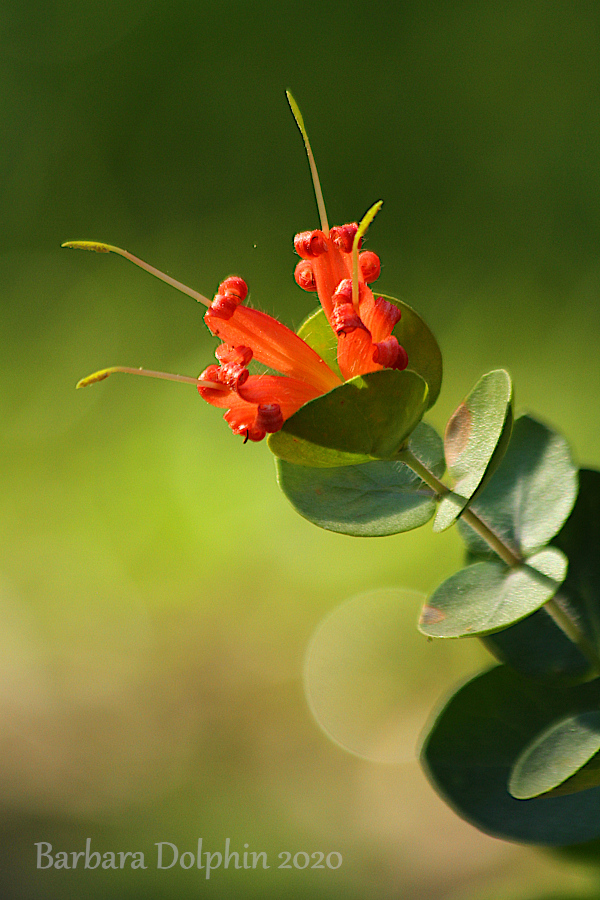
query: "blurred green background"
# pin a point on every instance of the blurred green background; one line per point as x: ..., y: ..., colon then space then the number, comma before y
x: 157, y: 592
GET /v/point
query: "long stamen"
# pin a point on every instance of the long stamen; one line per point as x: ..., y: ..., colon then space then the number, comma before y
x: 364, y: 224
x: 167, y: 376
x: 98, y: 247
x: 311, y: 161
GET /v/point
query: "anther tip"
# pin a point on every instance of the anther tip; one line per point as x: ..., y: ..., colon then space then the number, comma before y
x: 96, y: 246
x: 92, y: 379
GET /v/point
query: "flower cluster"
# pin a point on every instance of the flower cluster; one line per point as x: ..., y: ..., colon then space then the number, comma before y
x: 331, y: 265
x: 260, y: 404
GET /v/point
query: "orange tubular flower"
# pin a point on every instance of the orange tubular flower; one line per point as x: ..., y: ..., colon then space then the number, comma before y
x: 330, y: 264
x: 364, y: 330
x: 258, y: 404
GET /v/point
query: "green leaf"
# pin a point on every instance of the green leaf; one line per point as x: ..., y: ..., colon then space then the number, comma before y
x: 555, y: 755
x: 318, y: 334
x: 368, y: 417
x: 476, y: 438
x: 368, y: 500
x: 488, y: 596
x: 579, y: 539
x: 530, y: 496
x: 537, y: 646
x: 424, y: 356
x: 474, y: 743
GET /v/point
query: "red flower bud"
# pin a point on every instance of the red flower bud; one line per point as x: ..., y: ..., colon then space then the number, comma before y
x: 370, y: 266
x: 343, y: 292
x: 233, y: 371
x: 237, y: 355
x: 232, y: 292
x: 234, y: 376
x: 252, y: 433
x: 212, y: 373
x: 390, y: 354
x: 343, y: 236
x: 345, y: 319
x: 304, y: 275
x: 310, y: 244
x: 223, y: 306
x: 234, y: 285
x: 268, y: 417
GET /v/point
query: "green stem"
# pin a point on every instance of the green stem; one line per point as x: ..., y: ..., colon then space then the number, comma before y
x: 564, y: 621
x: 419, y: 469
x: 505, y: 553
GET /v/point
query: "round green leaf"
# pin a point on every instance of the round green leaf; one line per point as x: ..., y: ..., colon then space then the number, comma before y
x: 369, y: 500
x: 579, y: 539
x: 531, y: 494
x: 476, y: 437
x: 424, y: 356
x: 488, y: 596
x: 555, y: 755
x: 537, y: 646
x: 474, y: 742
x: 368, y: 417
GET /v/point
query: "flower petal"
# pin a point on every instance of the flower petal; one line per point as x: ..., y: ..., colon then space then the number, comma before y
x: 274, y: 345
x: 356, y: 349
x: 355, y: 353
x: 379, y: 315
x: 289, y: 393
x: 329, y: 269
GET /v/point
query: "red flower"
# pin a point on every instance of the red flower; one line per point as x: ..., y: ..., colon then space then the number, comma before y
x: 331, y: 265
x: 258, y: 404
